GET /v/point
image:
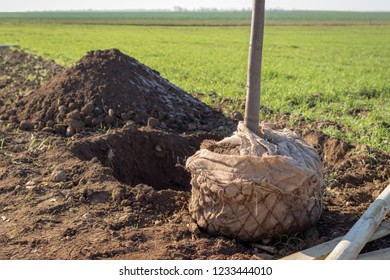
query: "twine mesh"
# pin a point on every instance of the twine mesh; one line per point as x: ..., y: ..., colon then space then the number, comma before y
x: 259, y: 187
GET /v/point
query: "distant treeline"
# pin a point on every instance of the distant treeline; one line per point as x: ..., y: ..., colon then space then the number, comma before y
x: 196, y: 17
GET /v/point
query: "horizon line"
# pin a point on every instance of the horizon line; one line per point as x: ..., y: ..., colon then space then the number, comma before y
x: 196, y: 10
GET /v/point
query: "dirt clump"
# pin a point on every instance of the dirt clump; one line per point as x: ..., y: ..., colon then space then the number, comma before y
x: 20, y: 74
x: 106, y: 89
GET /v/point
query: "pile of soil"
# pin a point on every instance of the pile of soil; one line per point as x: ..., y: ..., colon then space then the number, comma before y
x: 20, y: 74
x: 123, y: 193
x: 18, y: 78
x: 106, y: 89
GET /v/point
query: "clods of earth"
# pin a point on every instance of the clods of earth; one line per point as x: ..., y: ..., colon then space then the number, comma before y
x: 92, y: 165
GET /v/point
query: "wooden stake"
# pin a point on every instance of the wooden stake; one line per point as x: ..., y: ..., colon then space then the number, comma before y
x: 354, y: 241
x: 321, y: 251
x: 8, y: 45
x: 252, y: 106
x: 383, y: 254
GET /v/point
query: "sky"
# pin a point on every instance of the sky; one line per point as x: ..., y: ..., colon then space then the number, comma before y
x: 338, y: 5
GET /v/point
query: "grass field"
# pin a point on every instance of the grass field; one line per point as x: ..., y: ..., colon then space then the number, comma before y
x: 337, y: 73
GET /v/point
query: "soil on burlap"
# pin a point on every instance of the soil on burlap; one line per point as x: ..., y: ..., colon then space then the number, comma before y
x: 123, y: 193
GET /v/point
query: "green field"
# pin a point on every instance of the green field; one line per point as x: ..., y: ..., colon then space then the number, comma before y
x: 337, y: 73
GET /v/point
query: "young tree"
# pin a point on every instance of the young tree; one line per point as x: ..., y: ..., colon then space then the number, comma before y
x: 252, y: 107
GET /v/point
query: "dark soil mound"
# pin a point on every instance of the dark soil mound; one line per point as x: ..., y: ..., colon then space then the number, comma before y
x: 107, y: 89
x: 20, y: 73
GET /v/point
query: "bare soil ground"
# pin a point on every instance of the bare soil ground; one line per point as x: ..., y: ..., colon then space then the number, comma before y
x: 92, y: 165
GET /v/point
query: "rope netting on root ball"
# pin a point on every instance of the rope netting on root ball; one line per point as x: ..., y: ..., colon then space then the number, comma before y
x: 254, y: 187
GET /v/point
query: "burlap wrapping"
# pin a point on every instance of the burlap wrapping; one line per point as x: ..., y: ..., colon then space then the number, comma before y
x: 258, y: 187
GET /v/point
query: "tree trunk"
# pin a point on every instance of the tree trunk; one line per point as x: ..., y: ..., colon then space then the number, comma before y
x: 252, y: 107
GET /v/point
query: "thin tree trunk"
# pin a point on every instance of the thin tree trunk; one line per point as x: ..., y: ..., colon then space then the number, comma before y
x: 252, y: 107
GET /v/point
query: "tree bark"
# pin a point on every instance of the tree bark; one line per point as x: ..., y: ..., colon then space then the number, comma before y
x: 252, y: 107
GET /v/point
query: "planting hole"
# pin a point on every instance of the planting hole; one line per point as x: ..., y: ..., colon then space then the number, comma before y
x: 144, y: 156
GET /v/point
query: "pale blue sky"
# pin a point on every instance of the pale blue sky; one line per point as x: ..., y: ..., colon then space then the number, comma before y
x: 341, y: 5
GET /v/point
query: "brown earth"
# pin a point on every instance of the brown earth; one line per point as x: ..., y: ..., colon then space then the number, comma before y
x: 116, y: 188
x: 105, y: 89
